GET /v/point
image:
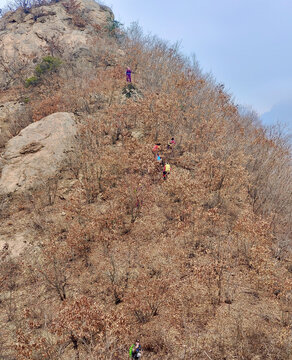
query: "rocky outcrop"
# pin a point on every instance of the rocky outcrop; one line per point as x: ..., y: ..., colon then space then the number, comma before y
x: 55, y: 29
x: 37, y: 153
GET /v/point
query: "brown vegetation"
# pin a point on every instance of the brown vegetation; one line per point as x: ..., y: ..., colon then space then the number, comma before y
x: 197, y: 267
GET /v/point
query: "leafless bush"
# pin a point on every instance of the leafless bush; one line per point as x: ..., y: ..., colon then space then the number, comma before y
x: 19, y: 121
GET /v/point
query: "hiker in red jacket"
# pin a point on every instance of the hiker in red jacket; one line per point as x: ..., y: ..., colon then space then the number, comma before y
x: 155, y: 149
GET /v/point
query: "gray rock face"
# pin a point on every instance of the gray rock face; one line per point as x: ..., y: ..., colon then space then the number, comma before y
x: 37, y: 153
x: 46, y: 30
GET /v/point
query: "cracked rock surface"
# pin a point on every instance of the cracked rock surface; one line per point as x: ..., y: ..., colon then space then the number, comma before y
x: 37, y: 152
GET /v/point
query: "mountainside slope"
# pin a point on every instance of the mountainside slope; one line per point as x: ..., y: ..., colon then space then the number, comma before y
x: 196, y: 266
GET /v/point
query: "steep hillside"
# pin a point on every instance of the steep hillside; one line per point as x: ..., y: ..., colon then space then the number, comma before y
x: 97, y: 248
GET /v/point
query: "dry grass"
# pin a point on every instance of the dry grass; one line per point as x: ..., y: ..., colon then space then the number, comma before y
x: 188, y: 265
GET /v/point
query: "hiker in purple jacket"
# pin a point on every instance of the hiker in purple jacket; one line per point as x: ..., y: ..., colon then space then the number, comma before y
x: 128, y: 74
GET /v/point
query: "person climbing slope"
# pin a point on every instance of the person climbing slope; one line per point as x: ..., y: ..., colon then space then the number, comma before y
x: 155, y: 149
x: 135, y: 351
x: 166, y: 171
x: 159, y: 158
x: 171, y: 143
x: 128, y: 74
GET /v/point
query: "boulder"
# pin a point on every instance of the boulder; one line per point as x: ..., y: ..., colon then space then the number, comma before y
x: 37, y: 153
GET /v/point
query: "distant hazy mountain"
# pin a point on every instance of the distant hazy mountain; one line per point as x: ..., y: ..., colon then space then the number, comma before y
x: 280, y: 113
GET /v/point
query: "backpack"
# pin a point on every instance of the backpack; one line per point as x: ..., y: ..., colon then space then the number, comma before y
x: 137, y: 352
x: 167, y: 167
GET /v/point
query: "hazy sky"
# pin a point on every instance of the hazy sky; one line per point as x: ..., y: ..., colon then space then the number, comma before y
x: 245, y: 44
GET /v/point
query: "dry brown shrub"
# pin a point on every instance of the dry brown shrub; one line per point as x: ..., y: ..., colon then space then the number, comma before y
x: 46, y: 106
x: 188, y: 263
